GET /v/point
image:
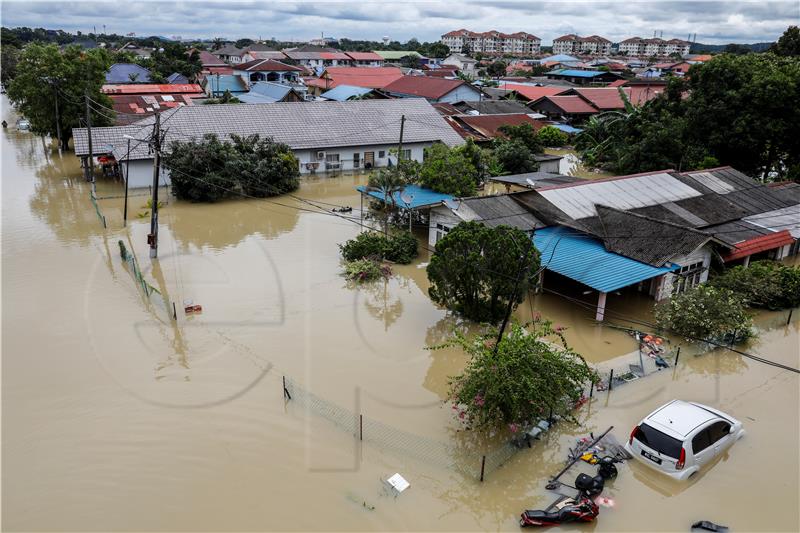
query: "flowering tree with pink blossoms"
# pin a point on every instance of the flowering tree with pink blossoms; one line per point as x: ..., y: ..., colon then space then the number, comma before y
x: 532, y: 373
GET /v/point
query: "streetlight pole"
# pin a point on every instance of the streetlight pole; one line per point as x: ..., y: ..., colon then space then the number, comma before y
x: 127, y: 174
x: 153, y: 237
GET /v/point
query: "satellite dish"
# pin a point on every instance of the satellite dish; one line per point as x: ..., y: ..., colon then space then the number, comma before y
x: 452, y: 204
x: 531, y: 182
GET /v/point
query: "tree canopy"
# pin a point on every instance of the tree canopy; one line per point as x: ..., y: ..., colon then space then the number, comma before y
x: 533, y: 373
x: 788, y: 44
x: 43, y: 71
x: 476, y: 270
x: 451, y: 170
x: 209, y: 170
x: 706, y: 312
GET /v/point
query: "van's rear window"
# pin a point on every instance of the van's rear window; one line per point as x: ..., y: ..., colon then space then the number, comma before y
x: 658, y: 441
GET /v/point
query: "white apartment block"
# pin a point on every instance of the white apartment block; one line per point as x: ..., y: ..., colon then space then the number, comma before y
x: 493, y: 42
x: 574, y: 44
x: 636, y: 46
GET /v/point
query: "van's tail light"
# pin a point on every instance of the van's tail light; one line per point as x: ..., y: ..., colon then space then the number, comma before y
x: 633, y: 432
x: 681, y: 460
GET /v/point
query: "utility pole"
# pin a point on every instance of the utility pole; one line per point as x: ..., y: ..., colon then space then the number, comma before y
x: 127, y: 173
x: 152, y: 238
x: 58, y: 116
x: 523, y: 256
x: 400, y: 144
x: 90, y: 169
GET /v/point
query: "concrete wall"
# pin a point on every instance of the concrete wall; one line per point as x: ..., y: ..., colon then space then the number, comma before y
x: 464, y: 93
x: 346, y: 156
x: 440, y: 222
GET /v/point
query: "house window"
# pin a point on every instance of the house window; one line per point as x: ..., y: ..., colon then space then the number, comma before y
x: 381, y: 154
x: 405, y: 154
x: 687, y: 277
x: 356, y: 160
x: 332, y: 161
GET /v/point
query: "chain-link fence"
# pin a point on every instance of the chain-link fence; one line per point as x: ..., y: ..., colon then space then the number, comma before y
x: 463, y: 459
x: 135, y: 271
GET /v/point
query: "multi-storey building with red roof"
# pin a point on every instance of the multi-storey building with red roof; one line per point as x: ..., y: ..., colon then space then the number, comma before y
x: 575, y: 44
x: 636, y: 46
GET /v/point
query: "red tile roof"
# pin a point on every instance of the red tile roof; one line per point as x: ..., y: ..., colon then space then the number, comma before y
x: 372, y: 77
x: 133, y: 107
x: 207, y: 59
x: 266, y: 65
x: 759, y: 244
x: 424, y: 86
x: 334, y: 55
x: 603, y: 98
x: 152, y: 88
x: 572, y: 105
x: 488, y: 125
x: 364, y: 56
x: 491, y: 33
x: 617, y: 83
x: 532, y: 92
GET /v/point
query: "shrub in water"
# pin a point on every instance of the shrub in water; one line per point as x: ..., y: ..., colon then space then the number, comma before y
x: 764, y: 284
x: 706, y: 313
x: 399, y: 247
x: 362, y: 270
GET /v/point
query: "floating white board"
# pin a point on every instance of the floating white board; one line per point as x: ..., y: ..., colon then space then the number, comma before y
x: 398, y: 482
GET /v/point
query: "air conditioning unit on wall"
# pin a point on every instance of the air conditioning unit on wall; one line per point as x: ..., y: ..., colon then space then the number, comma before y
x: 321, y: 155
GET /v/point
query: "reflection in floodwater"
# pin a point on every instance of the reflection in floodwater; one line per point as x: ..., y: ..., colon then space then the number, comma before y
x: 115, y: 414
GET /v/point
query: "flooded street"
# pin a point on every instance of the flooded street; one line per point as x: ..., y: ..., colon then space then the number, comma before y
x: 117, y: 417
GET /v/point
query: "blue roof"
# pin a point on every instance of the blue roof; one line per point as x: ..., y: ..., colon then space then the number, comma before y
x: 421, y: 197
x: 265, y: 92
x: 566, y: 128
x: 340, y: 93
x: 578, y: 73
x: 217, y: 85
x: 583, y: 258
x: 121, y: 73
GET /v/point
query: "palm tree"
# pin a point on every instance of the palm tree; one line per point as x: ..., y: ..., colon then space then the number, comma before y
x: 390, y: 183
x: 218, y: 43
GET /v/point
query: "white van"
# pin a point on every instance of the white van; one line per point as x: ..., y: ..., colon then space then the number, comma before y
x: 680, y: 437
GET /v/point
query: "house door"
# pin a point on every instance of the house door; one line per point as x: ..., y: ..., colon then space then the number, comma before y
x: 369, y: 159
x: 356, y: 160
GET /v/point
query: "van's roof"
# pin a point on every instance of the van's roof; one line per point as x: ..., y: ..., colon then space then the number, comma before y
x: 679, y: 418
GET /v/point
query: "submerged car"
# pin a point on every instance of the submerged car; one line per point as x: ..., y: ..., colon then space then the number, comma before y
x: 680, y: 437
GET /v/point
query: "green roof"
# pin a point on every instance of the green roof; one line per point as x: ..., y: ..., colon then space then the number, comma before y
x: 396, y: 54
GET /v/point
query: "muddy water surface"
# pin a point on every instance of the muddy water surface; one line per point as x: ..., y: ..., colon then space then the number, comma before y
x: 116, y: 416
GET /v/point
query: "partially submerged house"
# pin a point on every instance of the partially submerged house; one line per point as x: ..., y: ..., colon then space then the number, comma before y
x: 656, y: 232
x: 324, y: 136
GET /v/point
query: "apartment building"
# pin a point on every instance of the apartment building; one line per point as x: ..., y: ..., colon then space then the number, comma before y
x: 574, y: 44
x: 636, y: 46
x: 493, y: 42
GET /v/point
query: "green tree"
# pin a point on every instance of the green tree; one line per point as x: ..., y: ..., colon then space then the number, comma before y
x: 737, y: 49
x: 513, y: 157
x: 243, y: 43
x: 765, y: 284
x: 497, y: 69
x: 788, y: 44
x: 745, y: 110
x: 209, y: 170
x: 389, y: 182
x: 44, y: 71
x: 9, y: 57
x: 438, y: 50
x: 706, y: 313
x: 552, y: 136
x: 449, y: 170
x: 477, y: 270
x: 174, y: 57
x: 217, y: 43
x: 226, y: 98
x: 523, y: 133
x: 531, y: 374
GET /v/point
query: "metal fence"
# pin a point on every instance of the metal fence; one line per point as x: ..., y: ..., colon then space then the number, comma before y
x: 446, y: 455
x: 654, y: 354
x: 93, y: 198
x: 135, y: 271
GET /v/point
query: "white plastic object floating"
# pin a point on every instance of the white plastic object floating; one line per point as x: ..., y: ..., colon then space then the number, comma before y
x: 398, y: 483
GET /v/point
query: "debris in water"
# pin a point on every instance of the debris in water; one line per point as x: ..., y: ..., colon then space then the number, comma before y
x: 709, y: 526
x: 398, y: 483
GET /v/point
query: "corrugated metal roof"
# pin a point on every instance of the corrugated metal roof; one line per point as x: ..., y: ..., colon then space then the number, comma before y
x: 541, y: 179
x: 578, y: 73
x: 497, y: 210
x: 624, y: 192
x: 786, y: 218
x: 122, y: 72
x: 583, y: 258
x: 420, y: 197
x: 344, y: 92
x: 301, y: 125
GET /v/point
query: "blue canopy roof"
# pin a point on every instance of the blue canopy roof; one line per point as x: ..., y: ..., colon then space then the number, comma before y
x: 340, y: 93
x: 567, y: 128
x: 218, y: 84
x: 420, y: 197
x: 578, y: 73
x: 583, y: 258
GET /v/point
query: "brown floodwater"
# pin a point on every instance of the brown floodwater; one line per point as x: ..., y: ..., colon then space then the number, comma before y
x: 117, y: 417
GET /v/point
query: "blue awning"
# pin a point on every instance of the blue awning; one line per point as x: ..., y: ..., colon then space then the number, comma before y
x: 420, y: 197
x: 583, y: 258
x: 566, y: 128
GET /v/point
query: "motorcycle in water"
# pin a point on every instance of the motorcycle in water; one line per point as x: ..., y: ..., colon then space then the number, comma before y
x: 563, y: 511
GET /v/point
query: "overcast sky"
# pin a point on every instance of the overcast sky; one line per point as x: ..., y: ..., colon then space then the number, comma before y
x: 715, y: 22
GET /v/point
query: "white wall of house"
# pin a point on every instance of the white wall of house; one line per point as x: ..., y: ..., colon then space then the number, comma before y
x: 441, y: 221
x: 694, y: 271
x: 463, y: 93
x: 140, y: 175
x: 349, y: 158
